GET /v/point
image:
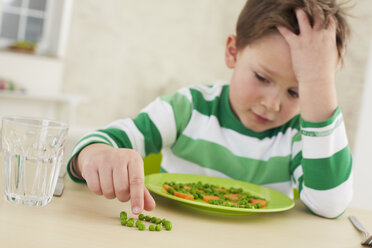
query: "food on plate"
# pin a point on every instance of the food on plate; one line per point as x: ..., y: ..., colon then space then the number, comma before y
x: 216, y: 195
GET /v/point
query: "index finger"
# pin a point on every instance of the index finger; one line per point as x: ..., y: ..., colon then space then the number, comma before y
x: 136, y: 185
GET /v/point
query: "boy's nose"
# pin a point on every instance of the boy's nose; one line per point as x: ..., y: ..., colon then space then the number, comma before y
x: 272, y: 102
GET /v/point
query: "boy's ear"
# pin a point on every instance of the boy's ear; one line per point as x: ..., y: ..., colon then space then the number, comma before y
x: 230, y: 51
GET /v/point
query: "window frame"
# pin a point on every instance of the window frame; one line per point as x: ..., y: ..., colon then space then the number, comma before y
x: 56, y: 21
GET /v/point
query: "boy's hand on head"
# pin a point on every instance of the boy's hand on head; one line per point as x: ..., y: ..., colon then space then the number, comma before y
x: 115, y: 172
x: 314, y: 51
x: 315, y: 58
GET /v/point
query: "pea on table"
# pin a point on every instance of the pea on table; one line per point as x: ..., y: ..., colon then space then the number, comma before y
x: 141, y: 226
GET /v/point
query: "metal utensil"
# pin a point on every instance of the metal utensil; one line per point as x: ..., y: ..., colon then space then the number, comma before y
x: 368, y: 238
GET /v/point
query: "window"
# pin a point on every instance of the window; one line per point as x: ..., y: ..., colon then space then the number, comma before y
x: 43, y: 22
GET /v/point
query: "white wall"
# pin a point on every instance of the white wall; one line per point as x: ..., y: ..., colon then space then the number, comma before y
x: 363, y: 147
x: 124, y: 53
x: 37, y: 74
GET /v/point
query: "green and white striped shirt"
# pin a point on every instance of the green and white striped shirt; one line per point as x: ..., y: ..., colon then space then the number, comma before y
x: 197, y: 133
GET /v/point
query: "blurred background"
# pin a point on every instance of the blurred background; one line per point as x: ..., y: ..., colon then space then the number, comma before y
x: 89, y: 62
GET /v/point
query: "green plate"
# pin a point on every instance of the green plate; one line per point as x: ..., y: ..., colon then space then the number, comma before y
x: 276, y: 201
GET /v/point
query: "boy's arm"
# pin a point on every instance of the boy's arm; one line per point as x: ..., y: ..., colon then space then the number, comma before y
x: 323, y: 164
x: 110, y: 160
x: 110, y: 137
x: 155, y: 127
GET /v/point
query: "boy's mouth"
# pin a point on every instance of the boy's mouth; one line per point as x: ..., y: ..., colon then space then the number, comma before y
x: 260, y: 118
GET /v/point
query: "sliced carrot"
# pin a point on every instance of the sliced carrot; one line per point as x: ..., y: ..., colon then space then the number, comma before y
x: 166, y: 187
x: 263, y: 202
x: 207, y: 198
x: 184, y: 196
x: 233, y: 196
x: 186, y: 187
x: 221, y: 189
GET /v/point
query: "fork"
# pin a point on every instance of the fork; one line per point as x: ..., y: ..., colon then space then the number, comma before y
x: 368, y: 238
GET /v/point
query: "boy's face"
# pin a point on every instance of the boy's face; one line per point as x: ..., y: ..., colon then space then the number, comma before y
x: 263, y: 88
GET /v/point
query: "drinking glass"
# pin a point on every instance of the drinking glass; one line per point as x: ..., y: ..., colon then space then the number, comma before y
x: 32, y: 153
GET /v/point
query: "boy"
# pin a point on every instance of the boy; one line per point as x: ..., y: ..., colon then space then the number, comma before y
x: 276, y: 124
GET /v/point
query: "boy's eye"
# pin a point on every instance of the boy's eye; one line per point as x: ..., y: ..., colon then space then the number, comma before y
x: 261, y: 78
x: 293, y: 93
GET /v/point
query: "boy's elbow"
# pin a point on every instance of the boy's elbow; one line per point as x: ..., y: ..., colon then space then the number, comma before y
x: 331, y: 209
x: 328, y: 203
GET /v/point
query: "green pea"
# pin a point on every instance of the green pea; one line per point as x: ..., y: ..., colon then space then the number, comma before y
x: 141, y: 227
x: 130, y: 222
x: 152, y: 228
x: 157, y: 221
x: 138, y: 222
x: 163, y: 221
x: 153, y: 219
x: 171, y: 191
x: 141, y: 216
x: 159, y: 227
x: 123, y: 222
x: 168, y: 225
x: 123, y: 215
x: 147, y: 217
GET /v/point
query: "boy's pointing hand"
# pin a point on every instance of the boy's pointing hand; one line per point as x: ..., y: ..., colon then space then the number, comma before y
x: 114, y: 172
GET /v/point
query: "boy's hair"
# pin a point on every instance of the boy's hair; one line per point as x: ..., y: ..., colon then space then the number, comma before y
x: 260, y: 17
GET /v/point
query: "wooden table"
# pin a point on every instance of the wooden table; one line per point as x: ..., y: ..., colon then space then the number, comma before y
x: 81, y: 219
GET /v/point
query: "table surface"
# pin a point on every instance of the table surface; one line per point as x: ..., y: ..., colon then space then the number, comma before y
x: 81, y: 219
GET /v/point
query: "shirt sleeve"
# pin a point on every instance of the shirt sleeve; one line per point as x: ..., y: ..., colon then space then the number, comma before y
x: 155, y: 127
x: 322, y: 166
